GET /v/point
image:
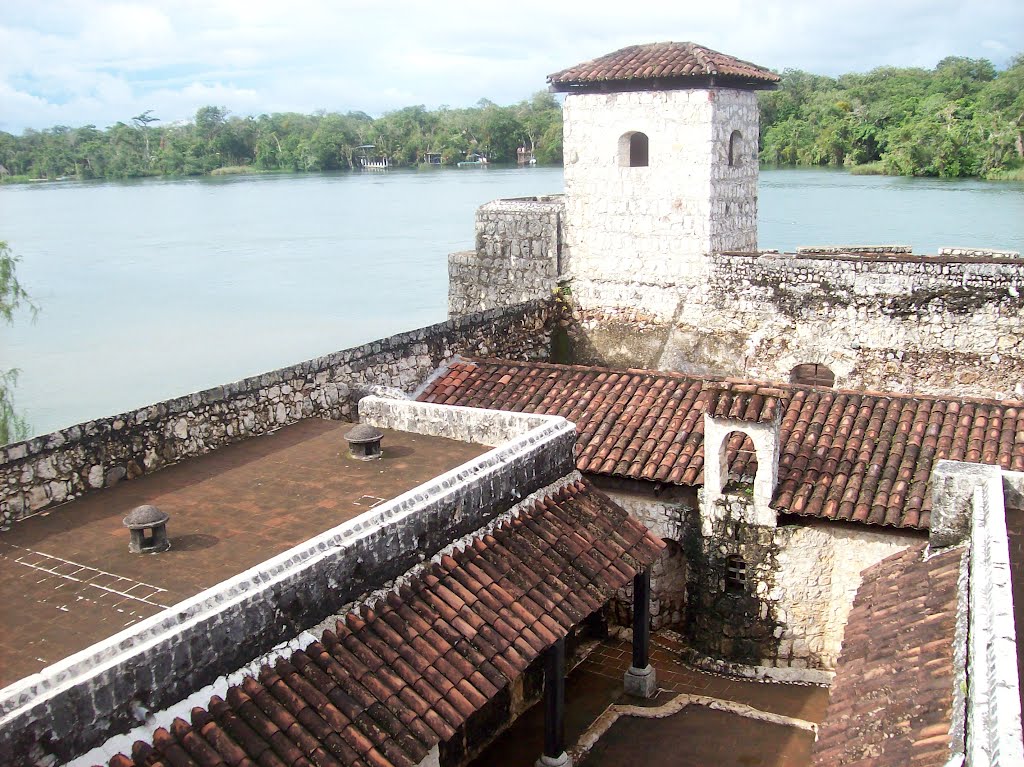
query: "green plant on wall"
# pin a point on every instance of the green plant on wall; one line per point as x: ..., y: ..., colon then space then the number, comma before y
x: 12, y: 296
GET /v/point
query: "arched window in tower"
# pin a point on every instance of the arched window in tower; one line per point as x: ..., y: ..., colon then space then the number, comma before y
x: 735, y: 149
x: 812, y: 374
x: 633, y: 150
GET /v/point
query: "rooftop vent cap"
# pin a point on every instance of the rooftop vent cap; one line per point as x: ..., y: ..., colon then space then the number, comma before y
x: 148, y: 526
x: 364, y: 442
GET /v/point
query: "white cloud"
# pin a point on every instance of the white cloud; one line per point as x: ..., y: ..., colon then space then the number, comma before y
x: 79, y: 61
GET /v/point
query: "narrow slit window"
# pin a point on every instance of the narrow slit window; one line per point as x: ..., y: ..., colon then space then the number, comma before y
x: 735, y: 574
x: 735, y: 149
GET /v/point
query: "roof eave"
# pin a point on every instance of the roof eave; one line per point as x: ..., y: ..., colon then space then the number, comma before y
x: 688, y: 82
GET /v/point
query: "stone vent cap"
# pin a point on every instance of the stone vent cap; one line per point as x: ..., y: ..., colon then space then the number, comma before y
x: 144, y: 516
x: 363, y: 433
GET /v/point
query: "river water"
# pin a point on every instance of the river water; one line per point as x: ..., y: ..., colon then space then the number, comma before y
x: 156, y: 288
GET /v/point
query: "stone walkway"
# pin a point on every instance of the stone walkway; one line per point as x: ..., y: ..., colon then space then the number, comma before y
x: 696, y: 718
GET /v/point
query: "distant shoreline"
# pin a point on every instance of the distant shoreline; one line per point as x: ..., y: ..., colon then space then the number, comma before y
x: 867, y: 169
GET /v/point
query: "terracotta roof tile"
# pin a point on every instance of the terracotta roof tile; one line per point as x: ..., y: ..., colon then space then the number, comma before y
x: 853, y: 456
x: 668, y: 60
x: 891, y: 699
x: 391, y: 682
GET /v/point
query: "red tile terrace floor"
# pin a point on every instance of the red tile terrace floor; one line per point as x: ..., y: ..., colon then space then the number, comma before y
x: 67, y: 579
x: 697, y: 735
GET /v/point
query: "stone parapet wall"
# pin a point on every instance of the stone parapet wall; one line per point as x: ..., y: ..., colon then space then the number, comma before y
x: 979, y: 252
x: 843, y: 249
x: 993, y: 693
x: 465, y: 424
x: 969, y: 506
x: 48, y: 470
x: 517, y: 256
x: 79, y: 702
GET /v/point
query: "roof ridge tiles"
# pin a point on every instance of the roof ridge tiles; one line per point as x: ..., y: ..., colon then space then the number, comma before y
x: 648, y: 425
x: 784, y: 387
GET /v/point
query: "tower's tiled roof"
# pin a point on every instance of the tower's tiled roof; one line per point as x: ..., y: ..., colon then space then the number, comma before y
x: 857, y: 456
x: 392, y: 682
x: 890, y: 703
x: 668, y: 60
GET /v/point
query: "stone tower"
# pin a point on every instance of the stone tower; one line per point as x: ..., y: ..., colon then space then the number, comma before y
x: 660, y: 149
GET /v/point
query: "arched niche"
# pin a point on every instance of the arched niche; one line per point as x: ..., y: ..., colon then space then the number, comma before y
x: 812, y: 374
x: 718, y: 432
x: 634, y: 150
x: 669, y: 578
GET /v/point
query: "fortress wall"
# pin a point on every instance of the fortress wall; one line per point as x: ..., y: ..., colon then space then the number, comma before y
x: 517, y: 256
x: 48, y: 470
x: 901, y: 323
x: 896, y: 323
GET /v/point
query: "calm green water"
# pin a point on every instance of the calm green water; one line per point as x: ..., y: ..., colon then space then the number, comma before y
x: 158, y: 288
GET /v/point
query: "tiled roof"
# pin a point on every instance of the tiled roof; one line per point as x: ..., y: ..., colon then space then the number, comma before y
x: 392, y: 682
x: 857, y: 456
x: 752, y: 402
x: 661, y: 60
x: 891, y: 699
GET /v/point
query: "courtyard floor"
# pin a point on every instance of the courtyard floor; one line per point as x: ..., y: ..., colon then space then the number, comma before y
x: 67, y: 579
x: 696, y: 718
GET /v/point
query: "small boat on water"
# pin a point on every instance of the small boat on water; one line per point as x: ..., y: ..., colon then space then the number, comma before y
x: 472, y: 161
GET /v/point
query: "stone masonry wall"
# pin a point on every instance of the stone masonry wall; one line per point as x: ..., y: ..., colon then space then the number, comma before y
x: 956, y: 321
x: 801, y: 580
x: 970, y: 502
x: 670, y: 574
x: 800, y: 584
x: 819, y: 567
x: 51, y: 469
x: 653, y: 225
x: 737, y: 625
x: 927, y: 324
x: 517, y: 256
x: 75, y: 704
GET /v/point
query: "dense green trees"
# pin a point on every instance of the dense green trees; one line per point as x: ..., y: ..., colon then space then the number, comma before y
x: 12, y: 295
x: 216, y: 139
x: 961, y: 118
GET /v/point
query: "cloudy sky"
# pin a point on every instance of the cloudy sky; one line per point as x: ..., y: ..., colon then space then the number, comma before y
x: 75, y: 62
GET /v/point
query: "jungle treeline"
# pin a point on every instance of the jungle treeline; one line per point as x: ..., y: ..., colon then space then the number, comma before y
x: 216, y: 140
x: 961, y: 118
